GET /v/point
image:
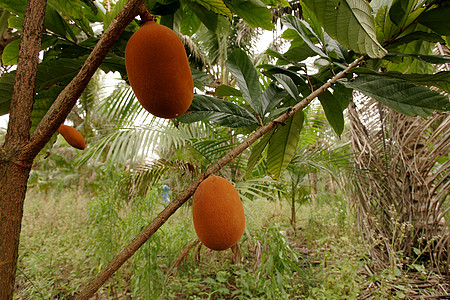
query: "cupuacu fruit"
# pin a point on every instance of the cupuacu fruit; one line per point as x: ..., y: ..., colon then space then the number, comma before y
x: 218, y: 214
x: 158, y: 70
x: 72, y: 136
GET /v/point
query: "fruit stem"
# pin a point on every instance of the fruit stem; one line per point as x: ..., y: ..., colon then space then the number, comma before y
x: 145, y: 14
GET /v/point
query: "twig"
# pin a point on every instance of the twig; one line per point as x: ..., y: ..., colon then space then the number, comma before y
x: 183, y: 254
x: 92, y: 286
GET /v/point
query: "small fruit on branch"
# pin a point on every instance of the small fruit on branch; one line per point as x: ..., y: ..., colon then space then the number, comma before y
x: 72, y: 136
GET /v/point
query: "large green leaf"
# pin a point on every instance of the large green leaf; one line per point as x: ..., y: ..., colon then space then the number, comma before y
x: 333, y: 111
x: 226, y: 90
x: 201, y: 79
x: 217, y: 6
x: 294, y: 23
x: 283, y: 144
x: 49, y: 75
x: 432, y: 59
x: 242, y: 68
x: 17, y: 7
x: 440, y: 79
x: 11, y: 51
x: 399, y: 11
x: 417, y: 35
x: 402, y: 96
x: 350, y: 22
x: 74, y: 10
x: 207, y: 17
x: 254, y: 12
x: 288, y: 85
x: 271, y: 97
x: 385, y: 28
x: 56, y: 23
x: 205, y: 108
x: 190, y: 22
x: 437, y: 19
x: 6, y: 88
x: 257, y: 151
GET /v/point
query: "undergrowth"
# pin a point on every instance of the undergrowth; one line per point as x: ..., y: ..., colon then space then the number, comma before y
x: 67, y: 238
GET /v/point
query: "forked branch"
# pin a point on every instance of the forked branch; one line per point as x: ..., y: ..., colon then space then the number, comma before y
x: 92, y: 286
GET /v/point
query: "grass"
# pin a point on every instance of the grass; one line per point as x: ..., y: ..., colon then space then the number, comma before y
x: 66, y: 239
x: 54, y: 253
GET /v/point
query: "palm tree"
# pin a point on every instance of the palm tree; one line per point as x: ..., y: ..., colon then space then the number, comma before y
x: 402, y: 182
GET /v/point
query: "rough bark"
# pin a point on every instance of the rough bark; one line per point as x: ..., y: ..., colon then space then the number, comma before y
x: 14, y: 169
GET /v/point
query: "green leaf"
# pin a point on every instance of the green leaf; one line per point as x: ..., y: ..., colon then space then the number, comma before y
x: 217, y: 6
x: 271, y: 97
x: 293, y: 23
x: 204, y: 108
x: 440, y: 79
x: 6, y: 88
x: 242, y: 68
x: 10, y: 52
x: 110, y: 15
x: 17, y: 7
x: 74, y: 10
x: 399, y: 11
x: 256, y: 153
x: 350, y: 22
x: 225, y: 90
x: 283, y: 144
x: 417, y: 35
x: 433, y: 59
x: 288, y: 85
x: 402, y: 96
x: 333, y: 111
x: 49, y: 75
x: 56, y: 73
x: 201, y: 79
x: 385, y: 28
x: 437, y: 19
x: 190, y: 22
x: 55, y: 23
x: 270, y: 70
x: 207, y: 17
x: 254, y: 12
x: 343, y: 94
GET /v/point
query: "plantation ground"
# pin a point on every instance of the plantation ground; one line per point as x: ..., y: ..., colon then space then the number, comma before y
x: 67, y: 238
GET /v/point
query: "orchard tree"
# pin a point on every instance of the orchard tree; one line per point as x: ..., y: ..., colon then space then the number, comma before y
x: 375, y: 47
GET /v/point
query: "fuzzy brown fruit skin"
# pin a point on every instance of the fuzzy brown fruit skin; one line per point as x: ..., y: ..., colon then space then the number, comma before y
x: 158, y: 70
x: 218, y: 214
x: 72, y: 136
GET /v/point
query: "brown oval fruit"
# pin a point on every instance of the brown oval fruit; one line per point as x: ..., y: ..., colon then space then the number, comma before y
x: 158, y: 70
x: 218, y: 214
x: 72, y: 136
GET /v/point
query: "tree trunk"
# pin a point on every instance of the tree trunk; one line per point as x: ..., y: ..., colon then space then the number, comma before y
x: 15, y: 163
x: 12, y: 194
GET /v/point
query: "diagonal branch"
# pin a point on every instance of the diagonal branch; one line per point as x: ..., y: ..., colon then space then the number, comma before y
x: 89, y: 289
x: 70, y: 94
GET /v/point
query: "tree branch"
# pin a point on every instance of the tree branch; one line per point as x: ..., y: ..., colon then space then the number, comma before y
x: 89, y: 289
x: 70, y: 94
x: 24, y: 82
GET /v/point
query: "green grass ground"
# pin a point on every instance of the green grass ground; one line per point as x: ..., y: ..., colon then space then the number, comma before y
x: 66, y: 239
